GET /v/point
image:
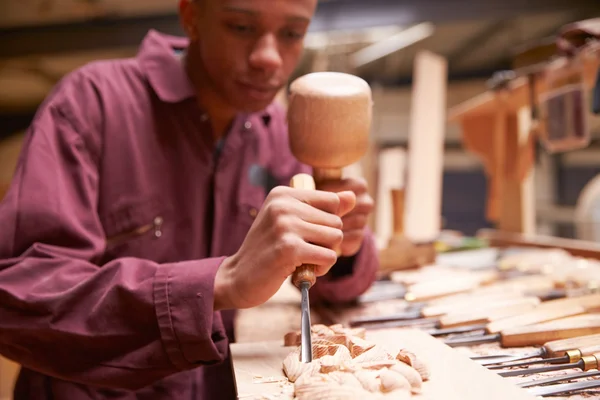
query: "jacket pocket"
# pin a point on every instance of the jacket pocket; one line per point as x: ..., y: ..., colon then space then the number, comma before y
x: 140, y: 228
x: 155, y: 227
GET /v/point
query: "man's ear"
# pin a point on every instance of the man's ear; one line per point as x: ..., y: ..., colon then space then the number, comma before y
x: 188, y: 12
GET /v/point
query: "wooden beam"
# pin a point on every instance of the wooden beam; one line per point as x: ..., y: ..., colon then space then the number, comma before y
x: 422, y: 216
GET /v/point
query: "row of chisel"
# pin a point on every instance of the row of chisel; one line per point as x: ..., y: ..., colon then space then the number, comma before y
x: 467, y: 308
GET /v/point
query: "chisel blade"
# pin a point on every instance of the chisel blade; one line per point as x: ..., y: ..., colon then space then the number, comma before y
x: 533, y: 371
x: 561, y: 378
x: 403, y: 316
x: 553, y: 360
x: 506, y: 358
x: 306, y: 338
x: 461, y: 329
x: 564, y: 388
x: 472, y: 340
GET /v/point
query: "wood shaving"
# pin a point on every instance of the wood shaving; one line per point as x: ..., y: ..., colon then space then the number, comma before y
x: 345, y: 366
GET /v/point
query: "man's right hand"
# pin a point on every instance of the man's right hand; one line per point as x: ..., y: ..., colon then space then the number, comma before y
x: 293, y: 227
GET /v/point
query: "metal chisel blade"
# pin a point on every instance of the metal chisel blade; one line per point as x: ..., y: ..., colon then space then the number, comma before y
x: 306, y: 339
x: 505, y: 358
x: 472, y: 340
x: 532, y: 371
x: 564, y: 388
x: 553, y: 360
x: 561, y: 378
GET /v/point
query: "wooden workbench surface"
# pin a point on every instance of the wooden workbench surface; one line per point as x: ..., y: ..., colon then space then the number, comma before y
x: 281, y: 314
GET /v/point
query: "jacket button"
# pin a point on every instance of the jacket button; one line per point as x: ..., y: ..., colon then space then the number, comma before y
x: 253, y: 212
x: 247, y: 125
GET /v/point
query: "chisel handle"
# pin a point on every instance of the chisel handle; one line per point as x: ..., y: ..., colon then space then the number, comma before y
x: 305, y: 272
x: 590, y: 302
x: 489, y: 312
x: 538, y: 335
x: 535, y: 316
x: 424, y: 291
x: 466, y: 302
x: 558, y: 348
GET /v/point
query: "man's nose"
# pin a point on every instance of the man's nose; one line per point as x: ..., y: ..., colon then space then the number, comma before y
x: 265, y: 54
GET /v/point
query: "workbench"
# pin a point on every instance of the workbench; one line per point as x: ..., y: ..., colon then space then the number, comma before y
x: 281, y: 314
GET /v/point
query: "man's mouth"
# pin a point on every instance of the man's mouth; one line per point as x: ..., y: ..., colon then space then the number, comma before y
x: 259, y: 92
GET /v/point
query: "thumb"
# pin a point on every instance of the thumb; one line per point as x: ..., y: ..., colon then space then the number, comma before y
x: 347, y: 202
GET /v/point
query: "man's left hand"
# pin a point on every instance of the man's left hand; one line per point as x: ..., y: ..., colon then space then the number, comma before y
x: 355, y: 221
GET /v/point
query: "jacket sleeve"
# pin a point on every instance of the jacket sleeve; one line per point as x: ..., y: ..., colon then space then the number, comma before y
x: 350, y: 276
x: 123, y: 324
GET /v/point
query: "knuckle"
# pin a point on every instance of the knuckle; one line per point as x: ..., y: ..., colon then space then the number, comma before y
x: 338, y: 236
x: 285, y: 247
x: 281, y: 225
x: 337, y: 222
x: 277, y: 208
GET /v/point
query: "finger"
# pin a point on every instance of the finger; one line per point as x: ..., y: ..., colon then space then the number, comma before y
x: 352, y: 242
x: 312, y: 215
x: 322, y: 258
x: 356, y: 185
x: 354, y: 221
x: 325, y: 201
x: 364, y: 204
x: 347, y: 203
x: 320, y: 235
x: 355, y: 235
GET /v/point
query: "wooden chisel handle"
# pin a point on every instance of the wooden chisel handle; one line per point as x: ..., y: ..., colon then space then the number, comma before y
x: 535, y: 316
x: 465, y: 303
x: 430, y: 290
x: 489, y: 312
x: 538, y: 335
x: 590, y: 302
x: 557, y: 348
x: 305, y: 272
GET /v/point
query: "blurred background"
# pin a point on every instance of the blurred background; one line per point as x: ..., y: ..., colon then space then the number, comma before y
x: 42, y: 40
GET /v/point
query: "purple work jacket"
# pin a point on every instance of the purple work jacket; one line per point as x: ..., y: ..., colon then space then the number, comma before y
x: 119, y: 215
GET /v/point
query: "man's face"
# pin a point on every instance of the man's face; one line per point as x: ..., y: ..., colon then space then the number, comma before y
x: 248, y: 48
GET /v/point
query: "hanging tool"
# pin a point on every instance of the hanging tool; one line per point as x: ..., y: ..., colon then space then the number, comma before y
x: 564, y: 388
x: 571, y: 356
x: 555, y: 348
x: 585, y: 363
x: 533, y: 335
x: 329, y: 121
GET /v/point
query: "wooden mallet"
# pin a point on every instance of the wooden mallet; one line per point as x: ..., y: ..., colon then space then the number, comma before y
x: 329, y: 121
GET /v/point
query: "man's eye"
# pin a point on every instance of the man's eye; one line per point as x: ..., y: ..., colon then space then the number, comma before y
x: 240, y: 28
x: 294, y: 35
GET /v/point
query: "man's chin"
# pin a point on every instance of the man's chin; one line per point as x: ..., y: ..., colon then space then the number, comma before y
x: 254, y: 105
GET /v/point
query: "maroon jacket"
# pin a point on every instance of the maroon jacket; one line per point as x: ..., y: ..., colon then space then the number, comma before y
x: 117, y: 219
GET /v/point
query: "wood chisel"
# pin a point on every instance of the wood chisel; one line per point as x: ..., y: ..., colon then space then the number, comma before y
x: 564, y: 388
x: 570, y: 356
x: 532, y: 335
x: 551, y: 349
x: 560, y: 378
x: 546, y: 311
x: 328, y: 129
x: 586, y: 363
x: 304, y: 278
x: 539, y: 286
x: 432, y: 311
x: 460, y: 317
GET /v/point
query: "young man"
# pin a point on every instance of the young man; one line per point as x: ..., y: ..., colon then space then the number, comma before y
x: 150, y: 202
